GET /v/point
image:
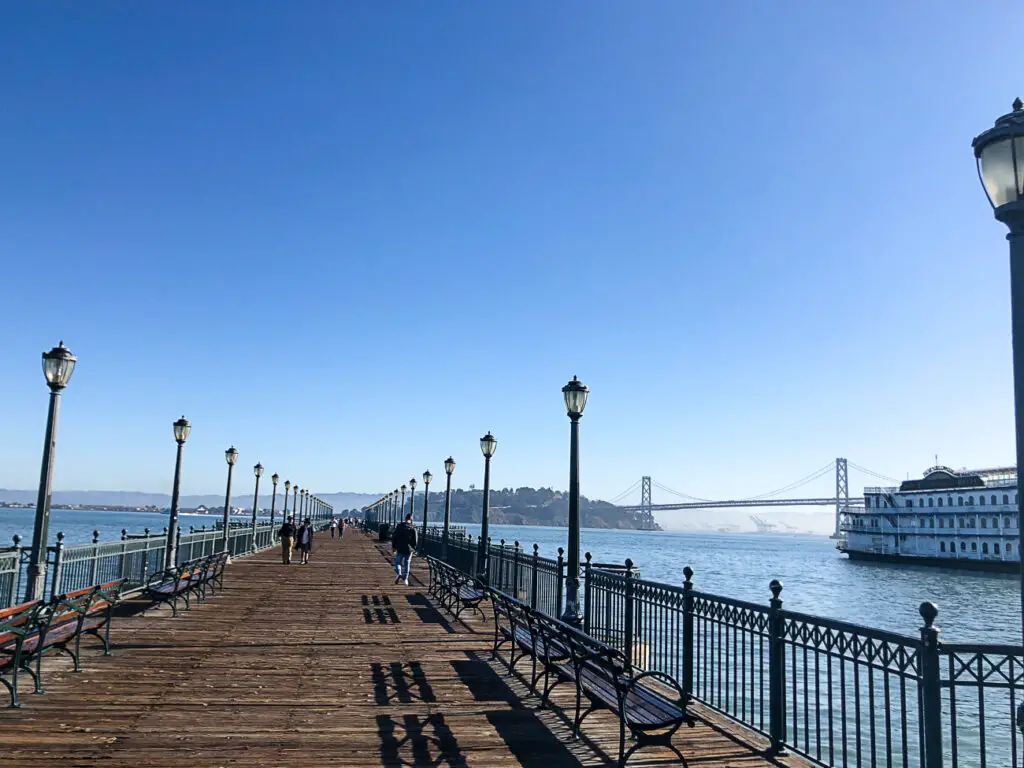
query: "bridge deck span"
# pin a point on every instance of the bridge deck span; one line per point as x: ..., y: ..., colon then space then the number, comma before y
x: 321, y: 665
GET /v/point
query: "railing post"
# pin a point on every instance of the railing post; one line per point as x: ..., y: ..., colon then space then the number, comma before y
x: 559, y: 582
x: 94, y: 576
x: 12, y: 598
x: 177, y: 545
x: 688, y: 633
x: 587, y: 592
x: 501, y: 568
x: 533, y: 577
x: 515, y: 570
x: 58, y: 565
x: 124, y: 553
x: 931, y: 694
x: 776, y: 673
x: 144, y: 570
x: 627, y: 630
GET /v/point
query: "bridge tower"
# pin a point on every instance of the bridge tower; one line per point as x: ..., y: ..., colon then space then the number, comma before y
x: 646, y: 513
x: 842, y: 493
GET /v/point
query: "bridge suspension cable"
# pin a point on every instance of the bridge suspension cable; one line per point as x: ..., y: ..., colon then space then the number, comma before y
x: 625, y: 493
x: 866, y: 471
x: 680, y: 494
x: 797, y: 483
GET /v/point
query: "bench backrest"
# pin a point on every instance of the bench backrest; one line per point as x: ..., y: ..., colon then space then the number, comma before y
x: 17, y: 621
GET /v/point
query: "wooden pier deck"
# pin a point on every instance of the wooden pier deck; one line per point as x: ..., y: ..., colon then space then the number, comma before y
x: 328, y: 664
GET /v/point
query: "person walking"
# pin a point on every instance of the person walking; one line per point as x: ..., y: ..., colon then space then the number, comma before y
x: 305, y: 540
x: 403, y: 541
x: 287, y: 534
x: 341, y: 528
x: 334, y: 526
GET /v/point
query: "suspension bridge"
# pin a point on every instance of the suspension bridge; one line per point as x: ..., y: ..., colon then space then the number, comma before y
x: 841, y: 501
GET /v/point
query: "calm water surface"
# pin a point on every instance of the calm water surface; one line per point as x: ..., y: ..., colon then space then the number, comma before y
x: 976, y: 607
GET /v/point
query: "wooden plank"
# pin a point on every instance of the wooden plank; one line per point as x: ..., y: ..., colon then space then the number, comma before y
x: 328, y: 664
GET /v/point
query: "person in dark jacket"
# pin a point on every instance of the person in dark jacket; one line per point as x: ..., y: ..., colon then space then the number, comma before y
x: 403, y: 541
x: 287, y: 534
x: 304, y: 538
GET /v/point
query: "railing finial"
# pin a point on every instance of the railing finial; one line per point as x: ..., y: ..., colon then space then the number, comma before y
x: 95, y: 537
x: 688, y: 574
x: 928, y: 612
x: 776, y: 588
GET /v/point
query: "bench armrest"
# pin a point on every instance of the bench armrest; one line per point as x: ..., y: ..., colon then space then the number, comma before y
x: 661, y: 677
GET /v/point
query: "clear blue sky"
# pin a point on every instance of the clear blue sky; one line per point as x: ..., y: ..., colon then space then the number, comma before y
x: 349, y: 238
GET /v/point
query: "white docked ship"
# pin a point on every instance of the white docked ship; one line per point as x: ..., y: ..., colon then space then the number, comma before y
x: 954, y: 519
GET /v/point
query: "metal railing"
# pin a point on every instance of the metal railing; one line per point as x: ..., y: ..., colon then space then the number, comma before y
x: 134, y: 558
x: 835, y: 693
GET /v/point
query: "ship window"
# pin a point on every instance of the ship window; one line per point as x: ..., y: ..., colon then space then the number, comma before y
x: 1009, y: 548
x: 970, y: 501
x: 931, y: 502
x: 981, y: 500
x: 931, y: 523
x: 1006, y: 522
x: 959, y: 501
x: 996, y: 547
x: 984, y: 548
x: 920, y: 502
x: 903, y: 537
x: 941, y: 523
x: 1006, y: 498
x: 910, y: 502
x: 867, y: 502
x: 961, y: 522
x: 949, y: 500
x: 940, y: 501
x: 984, y: 522
x: 974, y: 546
x: 995, y: 522
x: 963, y: 546
x: 994, y: 499
x: 942, y: 546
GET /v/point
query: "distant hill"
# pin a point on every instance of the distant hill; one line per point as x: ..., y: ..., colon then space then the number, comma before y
x: 527, y: 506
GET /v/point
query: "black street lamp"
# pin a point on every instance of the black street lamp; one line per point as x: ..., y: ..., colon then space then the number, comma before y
x: 394, y: 506
x: 575, y: 394
x: 258, y: 471
x: 287, y: 490
x: 401, y: 513
x: 427, y: 477
x: 488, y: 445
x: 181, y: 432
x: 274, y: 478
x: 999, y: 153
x: 295, y: 502
x: 58, y: 365
x: 230, y: 456
x: 412, y: 495
x: 449, y: 468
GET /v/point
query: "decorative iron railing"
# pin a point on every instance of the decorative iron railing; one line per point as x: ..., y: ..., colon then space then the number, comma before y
x: 835, y: 693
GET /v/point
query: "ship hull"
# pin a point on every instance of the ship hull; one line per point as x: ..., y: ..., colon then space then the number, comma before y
x: 989, y: 566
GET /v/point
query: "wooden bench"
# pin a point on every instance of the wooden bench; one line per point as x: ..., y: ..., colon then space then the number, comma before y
x: 651, y: 705
x: 183, y: 581
x: 455, y: 590
x: 30, y: 631
x: 16, y: 624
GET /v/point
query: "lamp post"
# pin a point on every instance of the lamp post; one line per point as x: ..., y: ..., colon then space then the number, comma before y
x: 999, y: 153
x: 401, y: 513
x: 258, y: 471
x: 287, y: 490
x: 230, y: 456
x: 488, y: 445
x: 304, y: 504
x: 394, y: 506
x: 181, y: 432
x: 427, y: 477
x: 412, y: 496
x: 274, y: 478
x: 58, y: 365
x: 449, y: 468
x: 575, y: 394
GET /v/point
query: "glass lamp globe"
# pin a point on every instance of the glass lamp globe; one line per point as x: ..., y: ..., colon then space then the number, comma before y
x: 575, y: 393
x: 427, y: 477
x: 258, y: 470
x: 488, y: 445
x: 182, y: 429
x: 999, y: 152
x: 58, y: 365
x: 449, y: 465
x: 231, y: 455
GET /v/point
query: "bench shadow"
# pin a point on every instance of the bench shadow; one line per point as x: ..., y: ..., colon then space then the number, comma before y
x: 532, y: 743
x: 429, y: 738
x: 397, y: 682
x: 483, y: 682
x: 428, y: 614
